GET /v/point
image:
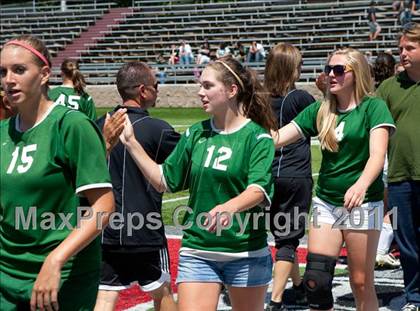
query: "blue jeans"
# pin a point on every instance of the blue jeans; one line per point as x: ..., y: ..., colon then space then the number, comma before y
x: 244, y: 272
x: 406, y: 197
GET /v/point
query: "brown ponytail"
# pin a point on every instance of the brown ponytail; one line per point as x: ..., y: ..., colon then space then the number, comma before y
x: 251, y: 93
x: 70, y: 69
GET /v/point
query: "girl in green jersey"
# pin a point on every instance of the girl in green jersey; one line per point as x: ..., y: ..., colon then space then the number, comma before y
x: 49, y: 260
x: 353, y: 128
x: 72, y: 93
x: 225, y: 162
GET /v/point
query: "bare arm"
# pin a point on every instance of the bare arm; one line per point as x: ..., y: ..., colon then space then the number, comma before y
x: 221, y: 215
x: 46, y: 287
x: 147, y: 166
x: 378, y: 144
x: 286, y: 135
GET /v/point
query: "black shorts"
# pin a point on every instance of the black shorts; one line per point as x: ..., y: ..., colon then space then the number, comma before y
x: 120, y: 270
x: 292, y: 197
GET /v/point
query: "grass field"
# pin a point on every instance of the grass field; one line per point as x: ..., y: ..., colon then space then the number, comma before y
x: 181, y: 119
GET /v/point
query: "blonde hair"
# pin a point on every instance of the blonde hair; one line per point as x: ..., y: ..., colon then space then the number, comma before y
x: 363, y: 85
x: 282, y: 69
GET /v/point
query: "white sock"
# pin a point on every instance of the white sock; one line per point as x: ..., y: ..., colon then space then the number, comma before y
x: 385, y: 239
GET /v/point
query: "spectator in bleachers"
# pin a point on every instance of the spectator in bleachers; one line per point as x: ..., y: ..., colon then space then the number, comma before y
x: 185, y: 53
x: 174, y: 56
x: 225, y: 163
x: 374, y: 28
x: 50, y: 157
x: 383, y: 67
x: 72, y: 92
x: 256, y: 52
x: 239, y: 52
x: 402, y: 93
x: 203, y: 56
x: 405, y: 10
x: 223, y: 50
x: 291, y: 171
x: 349, y: 182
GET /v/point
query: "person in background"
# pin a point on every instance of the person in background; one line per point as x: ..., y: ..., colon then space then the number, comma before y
x: 374, y: 28
x: 291, y: 171
x: 72, y: 93
x: 401, y: 93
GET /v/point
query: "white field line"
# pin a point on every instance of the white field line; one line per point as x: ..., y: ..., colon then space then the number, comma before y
x: 187, y: 197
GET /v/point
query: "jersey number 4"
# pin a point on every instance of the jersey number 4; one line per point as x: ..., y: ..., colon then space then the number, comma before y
x: 339, y: 131
x: 25, y: 159
x: 224, y: 154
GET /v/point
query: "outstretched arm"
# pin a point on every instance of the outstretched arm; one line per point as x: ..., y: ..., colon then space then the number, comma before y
x: 286, y: 135
x: 147, y: 166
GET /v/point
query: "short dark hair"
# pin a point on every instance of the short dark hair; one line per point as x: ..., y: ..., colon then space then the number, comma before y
x: 130, y: 76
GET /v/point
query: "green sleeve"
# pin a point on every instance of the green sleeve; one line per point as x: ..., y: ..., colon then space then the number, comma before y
x: 306, y: 120
x: 177, y: 167
x: 259, y: 173
x: 84, y: 152
x: 89, y: 107
x: 379, y: 114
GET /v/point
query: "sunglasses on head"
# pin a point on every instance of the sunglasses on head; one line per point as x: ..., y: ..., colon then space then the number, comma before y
x: 338, y: 70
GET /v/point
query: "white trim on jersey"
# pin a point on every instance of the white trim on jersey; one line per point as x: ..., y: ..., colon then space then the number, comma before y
x: 93, y: 186
x: 223, y: 132
x: 267, y: 198
x: 392, y: 128
x: 298, y: 128
x: 17, y: 120
x: 264, y: 136
x: 163, y: 180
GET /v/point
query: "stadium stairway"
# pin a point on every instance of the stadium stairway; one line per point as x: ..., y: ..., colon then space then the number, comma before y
x: 109, y: 20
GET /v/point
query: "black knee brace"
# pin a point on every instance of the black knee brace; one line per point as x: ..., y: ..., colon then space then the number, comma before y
x: 318, y: 281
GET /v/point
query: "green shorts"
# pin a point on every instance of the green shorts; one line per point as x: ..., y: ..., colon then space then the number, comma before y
x: 76, y: 293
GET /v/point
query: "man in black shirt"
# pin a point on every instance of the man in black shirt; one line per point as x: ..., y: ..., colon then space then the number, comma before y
x: 134, y: 246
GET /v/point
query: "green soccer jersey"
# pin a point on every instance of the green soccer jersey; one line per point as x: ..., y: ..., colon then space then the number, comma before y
x: 340, y: 170
x: 217, y: 166
x: 67, y: 96
x: 42, y: 170
x: 402, y: 96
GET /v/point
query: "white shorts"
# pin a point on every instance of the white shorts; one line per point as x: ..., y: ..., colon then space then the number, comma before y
x: 368, y: 216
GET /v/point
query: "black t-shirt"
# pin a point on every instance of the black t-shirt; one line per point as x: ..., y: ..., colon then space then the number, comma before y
x: 293, y: 160
x: 371, y: 14
x: 134, y: 196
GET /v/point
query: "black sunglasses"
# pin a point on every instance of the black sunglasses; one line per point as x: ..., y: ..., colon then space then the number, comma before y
x: 338, y: 70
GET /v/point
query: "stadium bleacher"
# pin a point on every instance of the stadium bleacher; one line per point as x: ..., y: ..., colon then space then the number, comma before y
x: 152, y: 26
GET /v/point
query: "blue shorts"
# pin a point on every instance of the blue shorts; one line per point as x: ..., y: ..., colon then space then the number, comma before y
x: 244, y: 272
